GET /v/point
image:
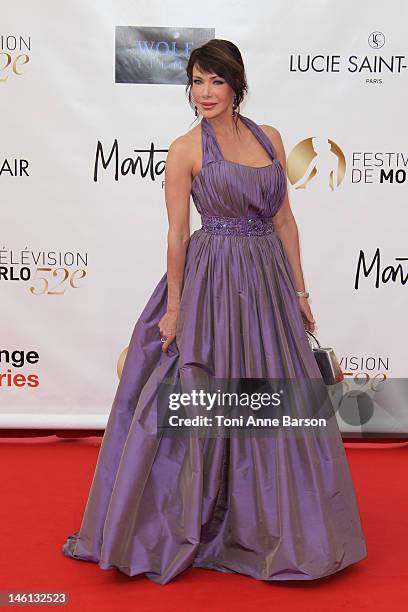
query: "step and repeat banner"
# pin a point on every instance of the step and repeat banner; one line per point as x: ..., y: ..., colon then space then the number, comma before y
x: 93, y: 93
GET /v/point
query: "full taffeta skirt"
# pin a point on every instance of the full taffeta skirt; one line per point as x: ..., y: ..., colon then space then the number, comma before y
x: 275, y: 508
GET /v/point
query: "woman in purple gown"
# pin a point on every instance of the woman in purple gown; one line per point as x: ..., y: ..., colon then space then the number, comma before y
x: 232, y: 304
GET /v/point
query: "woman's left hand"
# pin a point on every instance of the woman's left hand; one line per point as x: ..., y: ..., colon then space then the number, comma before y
x: 307, y: 316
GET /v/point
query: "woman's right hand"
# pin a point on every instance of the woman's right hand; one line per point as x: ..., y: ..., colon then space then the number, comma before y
x: 167, y: 326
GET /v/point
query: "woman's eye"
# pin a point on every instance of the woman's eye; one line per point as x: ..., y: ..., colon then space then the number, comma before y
x: 216, y: 81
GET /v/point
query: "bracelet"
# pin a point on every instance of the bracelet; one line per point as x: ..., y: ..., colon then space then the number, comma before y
x: 302, y: 294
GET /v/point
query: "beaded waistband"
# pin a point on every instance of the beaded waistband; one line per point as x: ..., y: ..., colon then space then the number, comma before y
x: 241, y: 226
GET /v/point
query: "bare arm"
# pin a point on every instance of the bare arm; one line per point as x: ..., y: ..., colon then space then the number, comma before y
x: 286, y: 227
x: 284, y: 221
x: 177, y: 195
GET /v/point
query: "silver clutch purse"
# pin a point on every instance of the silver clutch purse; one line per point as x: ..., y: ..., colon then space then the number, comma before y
x: 327, y: 361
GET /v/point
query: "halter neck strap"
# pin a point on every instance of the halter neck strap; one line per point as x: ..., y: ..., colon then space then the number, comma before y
x: 211, y: 150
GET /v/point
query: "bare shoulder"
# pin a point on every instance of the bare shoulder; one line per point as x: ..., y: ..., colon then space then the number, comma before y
x: 270, y: 129
x: 183, y: 149
x: 275, y: 137
x: 272, y: 133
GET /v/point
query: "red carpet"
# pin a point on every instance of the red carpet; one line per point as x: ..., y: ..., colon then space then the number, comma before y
x: 45, y: 482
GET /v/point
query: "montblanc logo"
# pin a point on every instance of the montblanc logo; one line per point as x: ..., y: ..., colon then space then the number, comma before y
x: 143, y: 163
x: 372, y: 268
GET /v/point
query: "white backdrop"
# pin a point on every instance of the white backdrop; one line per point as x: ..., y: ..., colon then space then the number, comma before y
x: 82, y: 250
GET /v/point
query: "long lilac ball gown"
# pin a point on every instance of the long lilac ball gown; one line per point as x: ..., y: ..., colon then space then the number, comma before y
x: 270, y: 508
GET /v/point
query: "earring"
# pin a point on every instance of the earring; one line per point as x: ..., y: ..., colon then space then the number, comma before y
x: 235, y: 107
x: 196, y: 111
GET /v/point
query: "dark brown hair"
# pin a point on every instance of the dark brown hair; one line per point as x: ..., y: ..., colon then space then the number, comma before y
x: 224, y: 58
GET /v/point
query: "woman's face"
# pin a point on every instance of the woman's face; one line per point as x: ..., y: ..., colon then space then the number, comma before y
x: 211, y: 93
